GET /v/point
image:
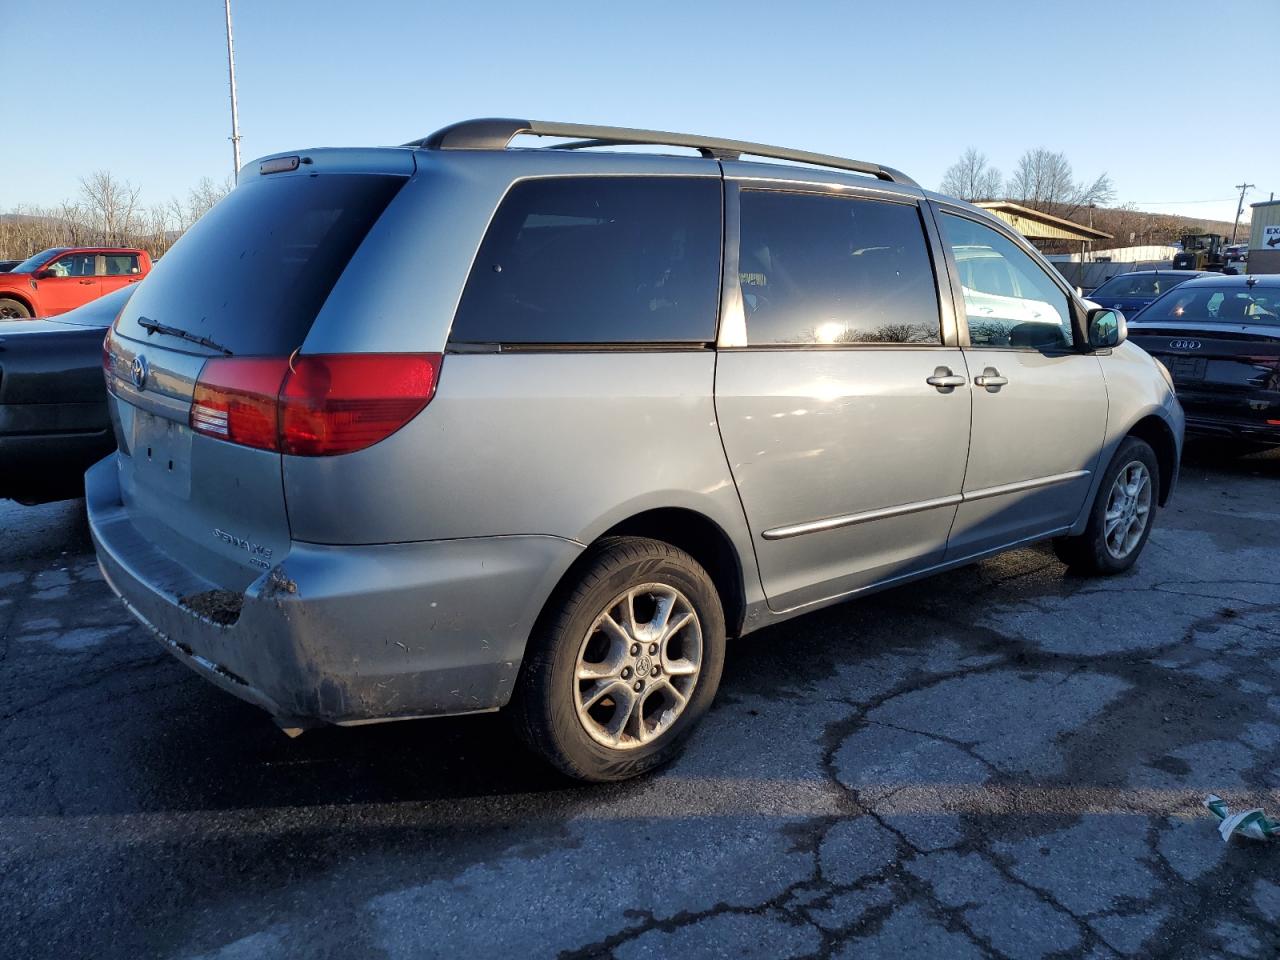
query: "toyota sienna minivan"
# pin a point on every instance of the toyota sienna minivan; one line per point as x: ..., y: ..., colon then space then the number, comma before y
x: 466, y: 425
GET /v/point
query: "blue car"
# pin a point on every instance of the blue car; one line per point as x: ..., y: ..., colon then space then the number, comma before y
x: 1130, y: 292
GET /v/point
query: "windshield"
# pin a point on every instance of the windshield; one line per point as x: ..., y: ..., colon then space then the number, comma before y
x: 33, y: 263
x: 1139, y: 285
x: 1217, y: 305
x: 254, y: 271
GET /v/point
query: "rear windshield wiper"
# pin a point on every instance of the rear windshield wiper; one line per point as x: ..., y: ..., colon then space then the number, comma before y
x: 152, y: 327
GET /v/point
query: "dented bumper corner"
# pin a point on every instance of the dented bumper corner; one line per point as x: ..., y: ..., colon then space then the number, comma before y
x: 342, y: 634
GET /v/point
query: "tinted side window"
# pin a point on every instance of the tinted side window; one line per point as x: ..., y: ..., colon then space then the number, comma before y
x: 821, y: 269
x: 597, y: 260
x: 1008, y: 299
x: 74, y: 265
x: 121, y: 264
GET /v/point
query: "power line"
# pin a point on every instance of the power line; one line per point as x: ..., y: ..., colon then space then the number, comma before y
x: 1183, y: 203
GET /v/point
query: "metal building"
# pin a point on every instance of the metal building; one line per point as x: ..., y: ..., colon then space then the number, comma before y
x: 1264, y: 243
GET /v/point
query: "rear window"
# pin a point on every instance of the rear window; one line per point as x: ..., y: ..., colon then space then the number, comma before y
x: 1140, y: 285
x: 254, y: 271
x: 582, y: 260
x: 1217, y: 304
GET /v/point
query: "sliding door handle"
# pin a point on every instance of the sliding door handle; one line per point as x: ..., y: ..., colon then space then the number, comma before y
x: 945, y: 380
x: 990, y: 379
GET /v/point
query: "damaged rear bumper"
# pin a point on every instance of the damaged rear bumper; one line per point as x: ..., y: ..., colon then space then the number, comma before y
x: 342, y: 634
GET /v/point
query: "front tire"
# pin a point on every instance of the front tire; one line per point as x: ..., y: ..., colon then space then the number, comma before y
x: 1121, y: 517
x: 623, y: 664
x: 11, y: 309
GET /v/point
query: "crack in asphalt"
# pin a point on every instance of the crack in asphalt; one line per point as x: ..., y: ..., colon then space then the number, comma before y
x: 999, y: 832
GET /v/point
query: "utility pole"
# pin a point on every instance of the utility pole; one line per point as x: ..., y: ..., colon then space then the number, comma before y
x: 1239, y: 210
x: 235, y: 112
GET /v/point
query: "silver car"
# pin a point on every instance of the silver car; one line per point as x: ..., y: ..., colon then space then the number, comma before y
x: 459, y: 426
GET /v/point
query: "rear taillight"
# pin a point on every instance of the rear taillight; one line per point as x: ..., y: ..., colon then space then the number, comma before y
x: 238, y: 400
x: 318, y: 406
x: 336, y: 404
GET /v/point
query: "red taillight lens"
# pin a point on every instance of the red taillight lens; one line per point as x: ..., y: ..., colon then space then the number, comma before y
x: 237, y: 399
x: 340, y: 403
x: 324, y: 405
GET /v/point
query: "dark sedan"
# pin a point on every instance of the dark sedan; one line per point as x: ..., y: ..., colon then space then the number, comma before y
x: 1220, y: 338
x: 1130, y: 292
x: 53, y: 401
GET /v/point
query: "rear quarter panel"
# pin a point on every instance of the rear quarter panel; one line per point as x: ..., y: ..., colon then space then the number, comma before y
x: 560, y: 444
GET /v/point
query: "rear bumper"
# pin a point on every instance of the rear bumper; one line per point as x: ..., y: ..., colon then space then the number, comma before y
x: 1238, y: 415
x: 1233, y: 429
x: 343, y: 634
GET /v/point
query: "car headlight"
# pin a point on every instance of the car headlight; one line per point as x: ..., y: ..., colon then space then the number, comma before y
x: 1168, y: 377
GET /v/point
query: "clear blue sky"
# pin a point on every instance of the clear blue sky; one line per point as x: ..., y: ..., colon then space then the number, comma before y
x: 140, y: 88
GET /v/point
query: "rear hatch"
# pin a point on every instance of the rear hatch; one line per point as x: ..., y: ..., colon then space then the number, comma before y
x: 197, y: 360
x: 1221, y: 371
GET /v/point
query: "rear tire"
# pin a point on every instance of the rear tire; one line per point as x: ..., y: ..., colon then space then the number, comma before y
x: 11, y: 309
x: 623, y: 664
x: 1122, y: 515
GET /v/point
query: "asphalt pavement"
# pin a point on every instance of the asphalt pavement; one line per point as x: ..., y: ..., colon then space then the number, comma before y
x: 1004, y: 761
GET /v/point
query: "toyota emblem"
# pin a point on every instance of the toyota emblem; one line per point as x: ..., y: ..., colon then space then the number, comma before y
x: 139, y: 371
x: 1184, y: 344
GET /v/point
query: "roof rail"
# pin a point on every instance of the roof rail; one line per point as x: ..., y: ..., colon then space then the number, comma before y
x: 496, y: 133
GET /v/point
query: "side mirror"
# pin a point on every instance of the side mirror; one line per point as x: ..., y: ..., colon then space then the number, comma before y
x: 42, y: 275
x: 1107, y: 328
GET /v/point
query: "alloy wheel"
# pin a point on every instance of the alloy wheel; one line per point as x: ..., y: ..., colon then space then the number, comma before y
x: 637, y: 666
x: 1128, y: 509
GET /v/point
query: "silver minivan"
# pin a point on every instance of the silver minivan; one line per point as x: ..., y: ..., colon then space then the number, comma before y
x: 462, y: 426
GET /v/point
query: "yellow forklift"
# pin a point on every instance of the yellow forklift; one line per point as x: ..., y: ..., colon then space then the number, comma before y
x: 1201, y: 251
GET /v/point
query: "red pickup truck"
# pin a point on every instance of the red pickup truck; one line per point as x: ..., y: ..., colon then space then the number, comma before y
x: 55, y: 281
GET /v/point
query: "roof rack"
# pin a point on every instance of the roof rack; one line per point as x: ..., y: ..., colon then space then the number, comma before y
x: 496, y: 133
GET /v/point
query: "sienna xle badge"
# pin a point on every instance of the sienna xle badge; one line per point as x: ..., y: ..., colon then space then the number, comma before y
x: 459, y: 426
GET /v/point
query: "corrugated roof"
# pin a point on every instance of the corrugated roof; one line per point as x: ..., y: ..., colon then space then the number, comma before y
x: 1036, y: 223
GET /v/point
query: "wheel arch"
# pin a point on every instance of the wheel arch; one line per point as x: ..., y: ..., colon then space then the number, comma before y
x: 1159, y: 436
x: 22, y: 298
x: 693, y: 532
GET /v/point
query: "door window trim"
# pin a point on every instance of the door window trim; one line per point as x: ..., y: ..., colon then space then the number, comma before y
x: 731, y: 336
x: 1074, y: 306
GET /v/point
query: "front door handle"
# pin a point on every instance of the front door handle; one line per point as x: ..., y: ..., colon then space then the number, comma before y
x: 86, y: 281
x: 945, y: 380
x: 990, y: 379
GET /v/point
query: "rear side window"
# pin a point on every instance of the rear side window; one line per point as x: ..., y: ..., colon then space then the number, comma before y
x: 834, y: 270
x: 581, y: 260
x: 254, y: 271
x: 121, y: 264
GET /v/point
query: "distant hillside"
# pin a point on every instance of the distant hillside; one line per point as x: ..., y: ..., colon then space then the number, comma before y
x: 1136, y: 228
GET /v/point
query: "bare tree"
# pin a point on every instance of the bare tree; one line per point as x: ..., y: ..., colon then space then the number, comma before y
x: 110, y: 206
x: 1043, y: 180
x: 204, y: 195
x: 106, y: 210
x: 972, y: 178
